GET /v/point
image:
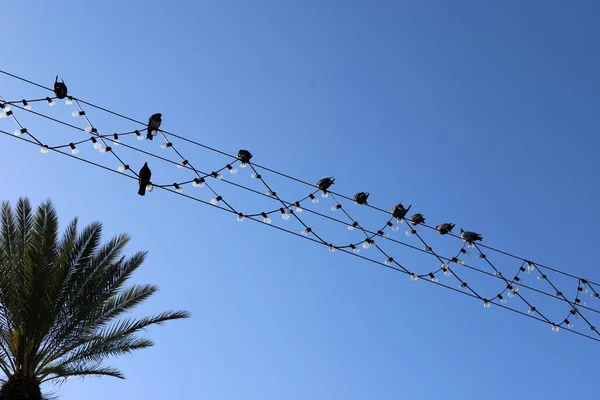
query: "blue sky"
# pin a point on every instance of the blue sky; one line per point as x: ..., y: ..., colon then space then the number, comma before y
x: 477, y: 112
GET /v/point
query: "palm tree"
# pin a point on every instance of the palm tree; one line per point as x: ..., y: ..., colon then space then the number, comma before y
x: 61, y: 301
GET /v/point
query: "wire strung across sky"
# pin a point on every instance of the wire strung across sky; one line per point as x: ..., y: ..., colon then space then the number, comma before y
x: 288, y: 208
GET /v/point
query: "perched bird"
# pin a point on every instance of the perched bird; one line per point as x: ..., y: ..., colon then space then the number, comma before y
x: 244, y: 156
x: 399, y: 211
x: 470, y: 237
x: 60, y: 89
x: 325, y: 183
x: 445, y: 228
x: 361, y: 198
x: 144, y: 179
x: 417, y: 219
x: 153, y: 125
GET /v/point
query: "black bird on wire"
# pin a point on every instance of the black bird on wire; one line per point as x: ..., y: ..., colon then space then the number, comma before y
x: 153, y: 125
x: 417, y: 219
x: 244, y: 156
x: 60, y: 89
x: 144, y: 179
x: 470, y: 237
x: 399, y: 211
x: 325, y: 183
x: 361, y: 198
x: 445, y: 228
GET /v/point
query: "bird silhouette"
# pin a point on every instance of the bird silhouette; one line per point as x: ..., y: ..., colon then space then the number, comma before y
x: 470, y: 237
x: 417, y: 219
x: 144, y: 179
x: 399, y: 211
x: 60, y: 89
x: 361, y: 198
x: 445, y: 228
x: 153, y: 125
x: 244, y: 156
x: 325, y: 183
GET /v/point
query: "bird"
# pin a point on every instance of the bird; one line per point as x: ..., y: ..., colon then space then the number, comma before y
x: 144, y: 179
x: 417, y: 219
x: 445, y: 228
x: 60, y: 89
x: 325, y: 183
x: 244, y: 156
x: 470, y: 237
x: 361, y: 198
x: 399, y: 211
x: 153, y: 125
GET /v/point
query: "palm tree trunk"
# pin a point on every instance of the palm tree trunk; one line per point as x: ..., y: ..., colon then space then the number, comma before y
x: 21, y: 387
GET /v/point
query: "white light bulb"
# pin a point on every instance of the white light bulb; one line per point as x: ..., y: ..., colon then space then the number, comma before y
x: 97, y: 146
x: 140, y: 137
x: 434, y: 279
x: 555, y: 328
x: 413, y: 277
x: 51, y: 103
x: 503, y: 301
x: 511, y: 294
x: 219, y: 176
x: 409, y: 232
x: 366, y: 245
x: 395, y: 228
x: 325, y: 195
x: 2, y: 115
x: 315, y: 200
x: 214, y: 201
x: 299, y: 209
x: 447, y: 272
x: 149, y: 188
x: 18, y: 132
x: 121, y: 168
x: 486, y: 304
x: 334, y: 208
x: 356, y: 250
x: 471, y: 245
x: 530, y: 267
x: 240, y: 218
x: 350, y: 227
x: 331, y: 248
x: 6, y: 108
x: 179, y: 189
x: 233, y: 171
x: 400, y: 221
x: 305, y: 232
x: 44, y: 149
x: 27, y: 107
x: 88, y: 129
x: 570, y: 325
x: 75, y: 114
x: 531, y: 311
x: 267, y: 220
x: 69, y: 101
x: 389, y: 261
x: 163, y: 146
x: 460, y: 261
x: 285, y: 216
x: 154, y: 132
x: 254, y: 175
x: 75, y: 150
x: 243, y: 165
x: 117, y: 142
x: 540, y: 277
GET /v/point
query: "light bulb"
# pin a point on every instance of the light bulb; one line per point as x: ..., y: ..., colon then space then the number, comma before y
x: 232, y: 171
x: 270, y: 193
x: 5, y: 107
x: 354, y: 225
x: 149, y: 187
x: 285, y: 216
x: 240, y: 217
x: 219, y: 176
x: 140, y: 137
x: 123, y: 168
x: 44, y: 149
x: 530, y: 267
x: 434, y: 279
x: 428, y: 249
x: 395, y: 228
x: 460, y: 261
x: 502, y: 299
x: 366, y: 245
x: 541, y: 277
x: 105, y: 149
x: 69, y: 101
x: 511, y: 294
x: 445, y: 267
x: 183, y: 164
x: 486, y: 304
x: 2, y: 115
x: 447, y: 272
x: 26, y: 105
x: 116, y: 141
x: 254, y: 175
x: 88, y: 129
x: 178, y: 188
x: 413, y: 277
x: 154, y: 132
x: 570, y: 325
x: 335, y: 207
x: 497, y: 274
x: 199, y: 182
x: 243, y: 165
x: 555, y: 328
x: 331, y: 248
x: 267, y: 220
x: 19, y: 132
x: 74, y: 149
x: 325, y: 195
x: 97, y: 146
x: 389, y: 261
x: 466, y: 252
x: 51, y: 102
x: 299, y: 209
x: 400, y: 221
x: 78, y: 113
x: 410, y: 232
x: 214, y: 201
x: 471, y: 245
x: 531, y: 311
x: 166, y: 144
x: 585, y: 288
x: 463, y: 285
x: 356, y: 249
x: 306, y: 231
x: 315, y: 200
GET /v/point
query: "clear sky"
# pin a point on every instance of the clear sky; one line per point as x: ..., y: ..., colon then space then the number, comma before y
x: 483, y: 113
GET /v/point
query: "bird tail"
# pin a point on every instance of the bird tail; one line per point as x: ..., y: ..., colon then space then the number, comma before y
x: 142, y: 190
x: 149, y: 135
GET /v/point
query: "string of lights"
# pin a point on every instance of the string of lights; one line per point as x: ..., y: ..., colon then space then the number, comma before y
x: 287, y: 211
x: 349, y: 252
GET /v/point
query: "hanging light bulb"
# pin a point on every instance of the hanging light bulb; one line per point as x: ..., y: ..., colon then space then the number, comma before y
x: 354, y: 225
x: 463, y: 285
x: 219, y: 177
x: 428, y: 249
x: 531, y: 311
x: 497, y: 274
x: 255, y: 176
x: 460, y: 261
x: 466, y: 252
x: 395, y: 228
x: 555, y: 328
x: 389, y: 261
x: 368, y: 243
x: 410, y: 232
x: 97, y: 145
x: 298, y: 208
x: 198, y: 182
x: 541, y: 277
x: 231, y: 169
x: 413, y: 277
x: 149, y: 187
x: 433, y: 277
x: 50, y: 102
x: 116, y: 141
x: 382, y: 233
x: 105, y: 149
x: 569, y: 324
x: 88, y: 129
x: 271, y: 194
x: 74, y: 149
x: 178, y: 188
x: 313, y: 198
x: 324, y: 194
x: 183, y: 164
x: 445, y: 267
x: 486, y: 304
x: 44, y: 149
x: 240, y: 217
x: 26, y: 105
x: 266, y: 218
x: 471, y: 245
x: 336, y: 207
x: 502, y: 299
x: 216, y: 200
x: 306, y: 231
x: 21, y: 131
x: 123, y: 168
x: 511, y: 294
x: 354, y: 248
x: 69, y: 101
x: 5, y: 107
x: 285, y: 214
x: 166, y: 145
x: 595, y: 295
x: 139, y: 136
x: 331, y: 248
x: 78, y: 113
